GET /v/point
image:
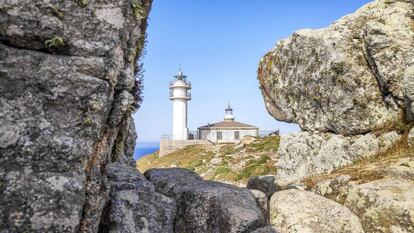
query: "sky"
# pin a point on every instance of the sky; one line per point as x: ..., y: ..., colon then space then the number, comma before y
x: 219, y: 44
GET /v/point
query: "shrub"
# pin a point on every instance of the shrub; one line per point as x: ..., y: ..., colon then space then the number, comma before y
x: 55, y: 43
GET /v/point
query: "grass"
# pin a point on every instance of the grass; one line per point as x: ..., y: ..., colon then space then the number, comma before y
x: 234, y: 165
x: 189, y: 157
x: 270, y: 143
x: 228, y: 149
x: 367, y: 169
x: 256, y: 167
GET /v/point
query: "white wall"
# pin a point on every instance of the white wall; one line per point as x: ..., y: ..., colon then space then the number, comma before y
x: 180, y: 130
x: 227, y: 134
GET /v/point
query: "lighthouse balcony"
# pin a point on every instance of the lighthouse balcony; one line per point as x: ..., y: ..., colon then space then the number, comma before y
x: 184, y: 96
x: 180, y: 83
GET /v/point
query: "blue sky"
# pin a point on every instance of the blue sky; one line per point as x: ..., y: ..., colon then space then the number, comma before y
x: 219, y: 44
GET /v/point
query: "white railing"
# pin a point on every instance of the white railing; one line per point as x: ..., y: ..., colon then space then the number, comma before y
x: 192, y: 135
x: 264, y: 133
x: 180, y: 84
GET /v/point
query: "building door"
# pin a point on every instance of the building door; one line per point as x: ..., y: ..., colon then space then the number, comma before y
x: 219, y: 136
x: 236, y: 135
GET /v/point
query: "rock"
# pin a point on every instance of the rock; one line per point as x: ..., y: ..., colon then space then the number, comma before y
x: 411, y: 138
x: 302, y: 211
x: 409, y: 92
x: 266, y: 184
x: 383, y: 205
x: 65, y: 72
x: 307, y: 153
x: 350, y: 78
x: 207, y: 206
x: 263, y: 202
x: 134, y: 206
x: 247, y: 140
x: 403, y: 168
x: 170, y: 182
x: 335, y: 189
x: 268, y: 229
x: 215, y: 161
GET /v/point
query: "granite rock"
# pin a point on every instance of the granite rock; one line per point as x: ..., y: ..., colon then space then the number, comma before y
x: 67, y: 90
x: 308, y: 153
x: 383, y: 205
x: 301, y: 211
x: 133, y: 204
x: 207, y: 206
x: 351, y: 78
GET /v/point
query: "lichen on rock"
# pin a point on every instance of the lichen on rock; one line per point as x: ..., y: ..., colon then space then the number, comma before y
x: 63, y: 109
x: 343, y: 78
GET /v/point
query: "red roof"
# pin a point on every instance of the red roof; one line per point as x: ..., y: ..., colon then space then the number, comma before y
x: 228, y: 124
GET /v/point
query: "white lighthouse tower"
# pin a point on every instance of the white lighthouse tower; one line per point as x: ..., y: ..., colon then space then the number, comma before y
x: 179, y: 95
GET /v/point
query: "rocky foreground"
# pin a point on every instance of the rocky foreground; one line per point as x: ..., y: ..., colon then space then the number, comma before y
x: 66, y: 135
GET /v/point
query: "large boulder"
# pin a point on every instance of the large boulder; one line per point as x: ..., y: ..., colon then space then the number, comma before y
x: 350, y: 78
x: 133, y: 204
x: 67, y: 90
x: 383, y: 205
x: 207, y: 206
x: 302, y: 211
x: 266, y: 184
x: 307, y: 153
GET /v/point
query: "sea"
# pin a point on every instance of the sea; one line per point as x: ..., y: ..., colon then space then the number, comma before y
x: 145, y: 148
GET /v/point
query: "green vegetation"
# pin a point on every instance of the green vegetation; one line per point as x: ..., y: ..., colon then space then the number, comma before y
x: 87, y: 121
x: 228, y: 149
x: 57, y: 12
x: 82, y: 3
x: 270, y: 143
x: 256, y: 167
x: 224, y: 162
x: 223, y: 170
x: 138, y: 10
x: 190, y: 157
x: 56, y: 42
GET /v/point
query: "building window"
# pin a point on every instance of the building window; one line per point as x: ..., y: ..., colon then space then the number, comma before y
x: 219, y: 136
x: 236, y: 135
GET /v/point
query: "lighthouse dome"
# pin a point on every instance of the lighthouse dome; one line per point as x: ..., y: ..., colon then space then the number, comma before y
x: 228, y: 115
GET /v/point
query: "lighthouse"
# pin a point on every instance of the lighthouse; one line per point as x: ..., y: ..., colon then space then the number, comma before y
x: 180, y: 95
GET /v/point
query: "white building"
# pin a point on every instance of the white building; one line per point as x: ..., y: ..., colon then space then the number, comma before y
x: 179, y: 94
x: 228, y: 130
